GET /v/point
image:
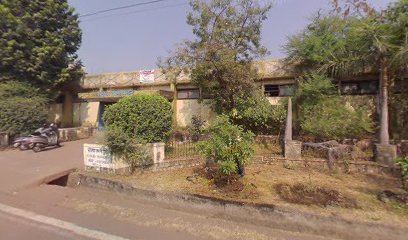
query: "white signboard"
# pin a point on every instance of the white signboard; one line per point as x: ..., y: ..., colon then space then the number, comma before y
x: 97, y: 156
x: 146, y: 76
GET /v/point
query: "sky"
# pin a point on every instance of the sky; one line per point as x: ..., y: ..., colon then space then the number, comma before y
x: 134, y: 38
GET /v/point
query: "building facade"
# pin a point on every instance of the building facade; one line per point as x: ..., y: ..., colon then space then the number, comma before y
x: 85, y: 104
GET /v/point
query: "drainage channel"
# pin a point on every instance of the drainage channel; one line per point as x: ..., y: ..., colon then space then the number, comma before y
x: 62, y: 179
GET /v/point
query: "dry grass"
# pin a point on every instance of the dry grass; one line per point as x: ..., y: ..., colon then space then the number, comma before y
x: 259, y: 186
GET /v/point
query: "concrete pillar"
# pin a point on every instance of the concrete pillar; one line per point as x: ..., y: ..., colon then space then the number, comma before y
x: 385, y: 154
x: 173, y: 87
x: 67, y: 112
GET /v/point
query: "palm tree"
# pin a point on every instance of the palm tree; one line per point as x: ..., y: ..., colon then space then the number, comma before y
x: 376, y: 42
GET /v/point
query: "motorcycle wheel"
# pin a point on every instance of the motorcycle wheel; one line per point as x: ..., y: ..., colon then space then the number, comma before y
x: 37, y: 147
x: 23, y: 147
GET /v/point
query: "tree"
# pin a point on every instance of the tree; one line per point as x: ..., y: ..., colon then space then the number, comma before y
x: 219, y: 59
x: 361, y: 39
x: 322, y: 113
x: 22, y: 108
x: 38, y: 42
x: 229, y: 146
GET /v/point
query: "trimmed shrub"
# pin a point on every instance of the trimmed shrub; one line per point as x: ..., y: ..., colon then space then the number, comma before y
x: 22, y: 108
x: 145, y: 117
x: 229, y: 146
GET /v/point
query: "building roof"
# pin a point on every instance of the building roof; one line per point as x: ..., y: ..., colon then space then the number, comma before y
x: 267, y: 69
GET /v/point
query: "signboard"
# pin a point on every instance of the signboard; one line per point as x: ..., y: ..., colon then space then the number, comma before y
x: 107, y: 94
x: 97, y: 156
x: 146, y: 76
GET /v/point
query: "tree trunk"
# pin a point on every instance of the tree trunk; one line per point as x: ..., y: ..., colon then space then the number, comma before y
x: 241, y: 169
x: 384, y: 134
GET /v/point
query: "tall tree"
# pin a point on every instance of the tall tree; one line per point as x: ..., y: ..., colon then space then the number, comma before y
x: 38, y: 42
x: 219, y: 59
x: 360, y: 39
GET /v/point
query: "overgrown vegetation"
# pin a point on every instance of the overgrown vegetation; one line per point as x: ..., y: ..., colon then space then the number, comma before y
x: 144, y: 117
x: 257, y: 115
x: 196, y: 127
x: 229, y: 146
x: 355, y: 38
x: 220, y: 60
x: 322, y: 113
x: 403, y: 164
x: 22, y: 108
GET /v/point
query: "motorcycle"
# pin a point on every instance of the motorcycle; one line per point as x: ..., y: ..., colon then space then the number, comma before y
x: 40, y: 139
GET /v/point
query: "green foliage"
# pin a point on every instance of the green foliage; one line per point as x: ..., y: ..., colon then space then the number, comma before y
x: 197, y: 127
x: 145, y: 117
x: 403, y: 164
x: 219, y: 59
x: 229, y: 146
x: 22, y: 108
x: 257, y: 115
x: 313, y: 88
x: 38, y: 42
x: 132, y: 150
x: 322, y: 113
x: 331, y: 119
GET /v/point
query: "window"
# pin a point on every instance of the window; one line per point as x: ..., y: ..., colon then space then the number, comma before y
x: 359, y: 87
x: 278, y: 90
x: 188, y: 93
x: 272, y: 90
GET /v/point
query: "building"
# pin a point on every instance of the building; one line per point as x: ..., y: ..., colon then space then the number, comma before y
x: 84, y: 105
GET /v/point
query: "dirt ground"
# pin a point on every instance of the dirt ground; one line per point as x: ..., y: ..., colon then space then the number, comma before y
x: 263, y: 184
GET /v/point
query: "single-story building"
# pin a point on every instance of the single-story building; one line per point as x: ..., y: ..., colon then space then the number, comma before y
x: 84, y: 105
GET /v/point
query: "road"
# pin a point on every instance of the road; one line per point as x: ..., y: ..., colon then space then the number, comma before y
x: 32, y: 210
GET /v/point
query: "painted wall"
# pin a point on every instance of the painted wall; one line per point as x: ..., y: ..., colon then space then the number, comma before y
x: 274, y: 100
x: 186, y: 109
x: 85, y: 114
x: 55, y: 113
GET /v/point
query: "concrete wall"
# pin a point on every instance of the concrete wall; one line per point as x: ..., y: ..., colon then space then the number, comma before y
x: 55, y: 113
x: 186, y: 109
x: 85, y: 114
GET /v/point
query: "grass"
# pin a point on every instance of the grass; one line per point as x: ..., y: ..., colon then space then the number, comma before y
x: 259, y: 186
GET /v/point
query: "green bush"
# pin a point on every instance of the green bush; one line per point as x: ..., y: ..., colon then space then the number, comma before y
x: 229, y: 146
x: 197, y: 127
x: 322, y: 113
x: 257, y: 115
x: 330, y: 118
x: 22, y: 108
x: 403, y: 164
x: 132, y: 150
x: 145, y: 117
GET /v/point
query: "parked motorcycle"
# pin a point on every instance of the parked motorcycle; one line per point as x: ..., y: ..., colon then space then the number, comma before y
x: 40, y: 139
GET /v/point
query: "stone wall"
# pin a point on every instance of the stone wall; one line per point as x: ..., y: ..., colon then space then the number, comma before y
x: 177, y: 163
x: 363, y: 167
x: 321, y: 164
